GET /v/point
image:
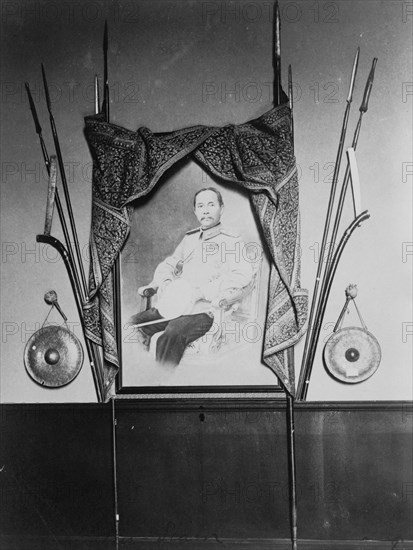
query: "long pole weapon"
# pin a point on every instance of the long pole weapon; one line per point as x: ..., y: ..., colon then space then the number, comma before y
x: 290, y: 398
x: 334, y: 257
x: 105, y: 105
x: 65, y: 188
x: 290, y: 351
x: 105, y: 111
x: 37, y: 126
x: 97, y: 99
x: 292, y: 464
x: 329, y: 213
x: 290, y: 101
x: 277, y: 55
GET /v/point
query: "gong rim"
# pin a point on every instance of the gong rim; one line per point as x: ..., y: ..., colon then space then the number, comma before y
x: 343, y: 351
x: 54, y: 364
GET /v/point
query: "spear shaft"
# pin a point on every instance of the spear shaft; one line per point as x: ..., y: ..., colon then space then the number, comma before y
x: 290, y: 398
x: 292, y: 461
x: 37, y: 125
x: 105, y: 105
x: 313, y: 309
x: 65, y: 188
x: 277, y: 55
x: 291, y: 101
x: 97, y: 98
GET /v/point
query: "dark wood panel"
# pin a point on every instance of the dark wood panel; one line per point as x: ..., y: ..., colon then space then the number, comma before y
x: 56, y: 470
x: 213, y: 472
x: 355, y: 475
x: 201, y: 474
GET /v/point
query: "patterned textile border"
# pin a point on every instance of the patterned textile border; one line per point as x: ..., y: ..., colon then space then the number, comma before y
x: 258, y: 156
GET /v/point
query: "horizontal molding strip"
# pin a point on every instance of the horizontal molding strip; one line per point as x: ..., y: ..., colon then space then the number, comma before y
x: 135, y: 402
x: 193, y: 543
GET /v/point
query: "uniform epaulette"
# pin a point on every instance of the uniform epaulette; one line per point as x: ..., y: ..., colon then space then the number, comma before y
x: 192, y: 231
x: 230, y: 233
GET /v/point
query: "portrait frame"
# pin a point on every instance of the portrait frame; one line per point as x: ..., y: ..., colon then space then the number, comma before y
x: 170, y: 188
x: 255, y: 158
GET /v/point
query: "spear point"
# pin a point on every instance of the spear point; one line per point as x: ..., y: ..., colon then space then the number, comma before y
x: 105, y: 37
x: 367, y: 90
x: 33, y: 110
x: 353, y: 75
x: 46, y: 90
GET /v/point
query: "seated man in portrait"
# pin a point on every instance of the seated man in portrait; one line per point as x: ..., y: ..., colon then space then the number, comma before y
x: 208, y: 266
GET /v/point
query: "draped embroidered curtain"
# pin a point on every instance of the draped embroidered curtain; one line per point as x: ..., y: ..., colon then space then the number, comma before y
x: 257, y: 156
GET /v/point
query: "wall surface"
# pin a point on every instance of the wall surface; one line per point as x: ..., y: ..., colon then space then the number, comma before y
x: 174, y: 64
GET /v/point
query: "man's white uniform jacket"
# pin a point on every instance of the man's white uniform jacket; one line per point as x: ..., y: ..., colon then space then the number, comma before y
x: 213, y: 261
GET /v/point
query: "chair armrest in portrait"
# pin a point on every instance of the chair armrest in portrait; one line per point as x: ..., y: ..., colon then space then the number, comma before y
x: 228, y: 304
x: 147, y: 291
x: 245, y: 298
x: 235, y: 295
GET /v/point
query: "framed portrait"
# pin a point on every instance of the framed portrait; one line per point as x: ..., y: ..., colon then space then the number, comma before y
x: 206, y: 273
x: 195, y: 279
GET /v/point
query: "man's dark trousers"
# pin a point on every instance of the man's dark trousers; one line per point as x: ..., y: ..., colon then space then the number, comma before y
x: 177, y: 334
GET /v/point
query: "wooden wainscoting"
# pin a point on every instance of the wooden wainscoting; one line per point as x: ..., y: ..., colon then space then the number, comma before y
x: 205, y: 473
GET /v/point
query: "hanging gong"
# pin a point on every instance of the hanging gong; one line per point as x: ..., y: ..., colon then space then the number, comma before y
x: 53, y: 356
x: 352, y: 354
